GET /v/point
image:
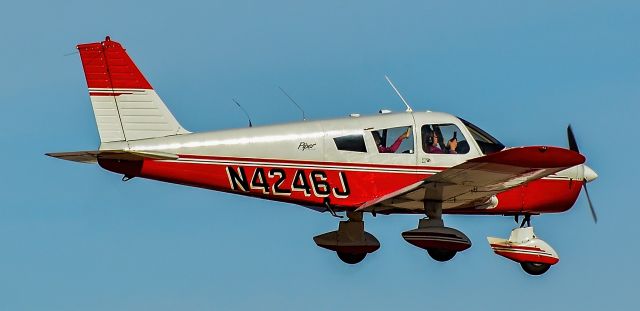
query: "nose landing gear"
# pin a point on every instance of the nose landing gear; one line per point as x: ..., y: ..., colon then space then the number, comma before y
x: 523, y: 246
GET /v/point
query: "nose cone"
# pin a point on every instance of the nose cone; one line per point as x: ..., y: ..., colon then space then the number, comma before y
x: 589, y: 174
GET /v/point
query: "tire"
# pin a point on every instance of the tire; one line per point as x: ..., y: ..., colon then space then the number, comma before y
x: 351, y: 258
x: 535, y: 268
x: 441, y: 255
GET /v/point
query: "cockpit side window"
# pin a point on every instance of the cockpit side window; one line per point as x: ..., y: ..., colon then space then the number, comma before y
x: 487, y: 143
x: 350, y: 143
x: 444, y: 139
x: 394, y: 140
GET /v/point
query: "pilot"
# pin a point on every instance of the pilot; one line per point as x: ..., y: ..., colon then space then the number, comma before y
x: 396, y: 144
x: 431, y: 143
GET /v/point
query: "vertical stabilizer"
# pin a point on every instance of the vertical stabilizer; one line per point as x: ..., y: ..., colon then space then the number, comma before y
x: 125, y: 105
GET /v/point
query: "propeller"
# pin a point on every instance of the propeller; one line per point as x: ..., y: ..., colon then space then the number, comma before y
x: 588, y: 173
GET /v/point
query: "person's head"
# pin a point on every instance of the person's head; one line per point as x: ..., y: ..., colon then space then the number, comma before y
x: 430, y: 138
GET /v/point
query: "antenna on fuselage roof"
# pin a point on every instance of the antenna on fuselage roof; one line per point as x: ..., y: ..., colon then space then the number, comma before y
x: 304, y: 117
x: 409, y: 109
x: 245, y: 112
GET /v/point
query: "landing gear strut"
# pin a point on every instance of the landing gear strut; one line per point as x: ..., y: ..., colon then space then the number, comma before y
x: 350, y: 242
x: 441, y: 243
x: 525, y: 221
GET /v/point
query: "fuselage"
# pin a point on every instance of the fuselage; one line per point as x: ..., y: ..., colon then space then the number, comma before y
x: 340, y: 161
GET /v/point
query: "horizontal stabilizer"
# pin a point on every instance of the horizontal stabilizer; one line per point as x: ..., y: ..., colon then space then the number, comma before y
x: 92, y: 156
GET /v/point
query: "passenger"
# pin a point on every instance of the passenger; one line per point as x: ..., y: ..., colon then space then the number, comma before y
x: 393, y: 148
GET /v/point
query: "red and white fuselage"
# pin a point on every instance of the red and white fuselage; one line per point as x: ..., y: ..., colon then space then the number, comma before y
x: 391, y: 163
x: 298, y: 162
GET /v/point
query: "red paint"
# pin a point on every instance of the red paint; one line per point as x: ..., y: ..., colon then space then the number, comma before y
x: 363, y: 185
x: 534, y: 157
x: 106, y: 64
x: 527, y: 248
x: 127, y: 168
x: 537, y: 197
x: 522, y: 257
x: 550, y: 196
x: 107, y: 93
x: 309, y: 162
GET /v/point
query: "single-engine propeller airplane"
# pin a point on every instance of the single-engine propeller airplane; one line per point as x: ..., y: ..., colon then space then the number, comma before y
x: 409, y: 162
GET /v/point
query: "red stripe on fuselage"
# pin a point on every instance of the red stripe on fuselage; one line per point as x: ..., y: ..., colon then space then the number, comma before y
x: 284, y: 183
x: 308, y: 162
x: 546, y: 195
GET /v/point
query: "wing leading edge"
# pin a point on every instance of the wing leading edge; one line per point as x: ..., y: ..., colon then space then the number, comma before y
x: 473, y: 183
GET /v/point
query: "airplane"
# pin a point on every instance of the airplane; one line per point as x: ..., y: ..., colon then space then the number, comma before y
x: 424, y: 163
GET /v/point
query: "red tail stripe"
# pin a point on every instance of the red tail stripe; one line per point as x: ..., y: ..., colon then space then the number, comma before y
x: 107, y: 65
x: 107, y: 94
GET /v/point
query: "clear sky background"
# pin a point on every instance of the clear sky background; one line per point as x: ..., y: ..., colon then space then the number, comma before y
x: 74, y: 237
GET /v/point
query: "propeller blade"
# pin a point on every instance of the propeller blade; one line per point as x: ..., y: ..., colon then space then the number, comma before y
x: 593, y: 211
x: 573, y: 145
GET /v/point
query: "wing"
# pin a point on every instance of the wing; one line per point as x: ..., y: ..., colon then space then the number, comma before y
x: 93, y: 155
x: 473, y: 183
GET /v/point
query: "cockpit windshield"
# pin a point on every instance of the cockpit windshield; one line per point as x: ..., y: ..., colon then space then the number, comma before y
x: 487, y: 143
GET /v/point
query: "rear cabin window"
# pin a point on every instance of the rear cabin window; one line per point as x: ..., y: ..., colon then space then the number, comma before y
x: 350, y: 143
x: 394, y: 140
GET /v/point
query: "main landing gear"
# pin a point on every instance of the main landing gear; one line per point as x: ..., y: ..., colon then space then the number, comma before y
x: 350, y: 242
x: 441, y: 243
x: 524, y: 247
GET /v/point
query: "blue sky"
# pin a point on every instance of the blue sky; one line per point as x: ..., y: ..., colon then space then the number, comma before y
x: 74, y: 237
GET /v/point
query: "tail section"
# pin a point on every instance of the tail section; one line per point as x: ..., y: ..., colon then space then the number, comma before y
x: 125, y: 105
